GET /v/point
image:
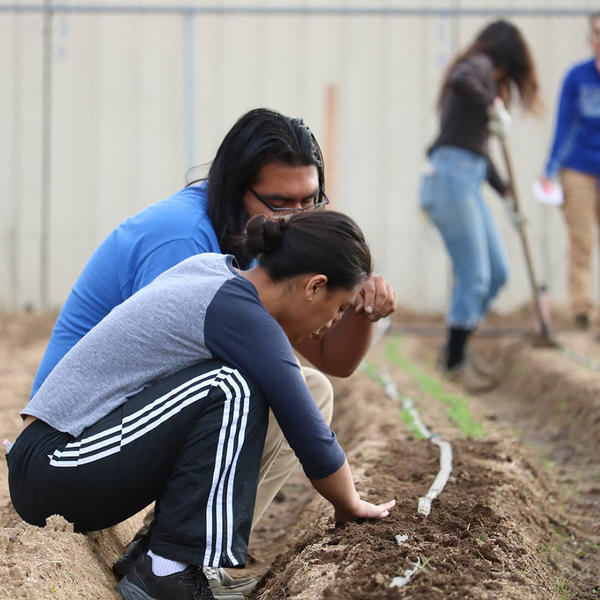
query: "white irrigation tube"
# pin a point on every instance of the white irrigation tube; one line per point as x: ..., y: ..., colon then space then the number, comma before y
x: 402, y: 581
x: 424, y: 503
x: 424, y: 506
x: 579, y: 358
x: 409, y: 406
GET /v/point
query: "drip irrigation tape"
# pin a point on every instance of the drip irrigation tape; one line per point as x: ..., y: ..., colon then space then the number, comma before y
x: 424, y: 503
x: 579, y: 358
x: 409, y: 406
x: 402, y: 581
x: 424, y: 507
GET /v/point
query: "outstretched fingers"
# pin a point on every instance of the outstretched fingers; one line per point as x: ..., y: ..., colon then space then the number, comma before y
x: 379, y: 511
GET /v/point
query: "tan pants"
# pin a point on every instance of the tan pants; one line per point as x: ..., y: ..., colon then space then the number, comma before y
x: 581, y: 211
x: 278, y: 459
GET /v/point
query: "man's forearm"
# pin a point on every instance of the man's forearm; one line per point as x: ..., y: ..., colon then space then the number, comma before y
x: 341, y: 349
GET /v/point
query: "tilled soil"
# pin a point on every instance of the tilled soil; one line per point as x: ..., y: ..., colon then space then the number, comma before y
x: 519, y: 517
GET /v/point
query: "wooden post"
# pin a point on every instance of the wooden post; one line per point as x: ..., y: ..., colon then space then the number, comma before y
x: 330, y: 141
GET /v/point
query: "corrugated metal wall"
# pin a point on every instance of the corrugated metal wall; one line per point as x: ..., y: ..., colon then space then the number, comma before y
x: 132, y: 100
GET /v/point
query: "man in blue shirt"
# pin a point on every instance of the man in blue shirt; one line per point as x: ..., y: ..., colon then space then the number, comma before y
x: 575, y: 159
x: 267, y: 163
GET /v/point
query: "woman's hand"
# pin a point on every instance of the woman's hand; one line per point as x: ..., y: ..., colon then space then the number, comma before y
x: 364, y: 510
x: 498, y: 118
x: 339, y: 489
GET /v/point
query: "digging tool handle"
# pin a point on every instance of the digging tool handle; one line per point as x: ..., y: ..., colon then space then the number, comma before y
x: 524, y: 242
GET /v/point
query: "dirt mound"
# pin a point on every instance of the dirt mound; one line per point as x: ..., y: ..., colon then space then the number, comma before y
x: 519, y: 517
x: 504, y: 526
x: 52, y: 562
x: 482, y: 540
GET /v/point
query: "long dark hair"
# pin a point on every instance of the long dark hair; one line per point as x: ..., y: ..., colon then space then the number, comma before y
x: 324, y: 242
x: 507, y: 49
x: 258, y: 137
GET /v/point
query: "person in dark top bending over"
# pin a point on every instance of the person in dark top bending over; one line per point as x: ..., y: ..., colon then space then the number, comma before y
x: 477, y: 85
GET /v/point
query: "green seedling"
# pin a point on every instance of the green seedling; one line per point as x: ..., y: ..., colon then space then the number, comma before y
x: 458, y: 411
x: 563, y: 589
x: 426, y: 562
x: 372, y: 371
x: 519, y: 370
x: 410, y: 423
x: 560, y: 536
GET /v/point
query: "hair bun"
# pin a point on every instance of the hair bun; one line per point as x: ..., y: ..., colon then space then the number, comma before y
x: 263, y: 234
x: 273, y: 228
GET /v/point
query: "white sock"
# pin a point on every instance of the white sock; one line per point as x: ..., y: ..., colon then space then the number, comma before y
x: 164, y: 566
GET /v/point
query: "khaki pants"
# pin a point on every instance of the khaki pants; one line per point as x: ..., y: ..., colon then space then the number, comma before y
x: 278, y: 460
x: 581, y: 211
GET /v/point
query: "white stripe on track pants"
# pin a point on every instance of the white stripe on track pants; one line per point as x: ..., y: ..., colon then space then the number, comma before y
x: 192, y: 442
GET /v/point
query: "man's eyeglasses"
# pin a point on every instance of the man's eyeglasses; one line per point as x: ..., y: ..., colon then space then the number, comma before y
x: 278, y: 205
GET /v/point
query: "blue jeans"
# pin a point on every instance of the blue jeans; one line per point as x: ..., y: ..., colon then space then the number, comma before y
x: 451, y: 196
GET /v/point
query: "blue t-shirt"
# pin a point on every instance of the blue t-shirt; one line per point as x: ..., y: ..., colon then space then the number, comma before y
x: 577, y: 136
x: 197, y: 310
x: 133, y: 254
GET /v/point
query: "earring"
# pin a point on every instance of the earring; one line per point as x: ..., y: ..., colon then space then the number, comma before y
x: 309, y: 299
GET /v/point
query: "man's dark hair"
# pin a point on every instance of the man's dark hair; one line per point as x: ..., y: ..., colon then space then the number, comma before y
x: 259, y: 137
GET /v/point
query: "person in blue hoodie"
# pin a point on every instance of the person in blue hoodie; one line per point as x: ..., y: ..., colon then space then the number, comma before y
x: 575, y: 160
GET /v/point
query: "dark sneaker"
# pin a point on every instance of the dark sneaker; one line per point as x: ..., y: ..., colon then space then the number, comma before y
x: 225, y: 587
x: 139, y: 545
x: 142, y: 584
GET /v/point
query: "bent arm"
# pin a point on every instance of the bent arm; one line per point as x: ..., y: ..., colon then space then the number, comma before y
x: 339, y: 351
x: 494, y: 179
x: 339, y: 490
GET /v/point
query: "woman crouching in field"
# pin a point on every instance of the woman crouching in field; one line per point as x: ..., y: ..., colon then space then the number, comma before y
x: 167, y: 400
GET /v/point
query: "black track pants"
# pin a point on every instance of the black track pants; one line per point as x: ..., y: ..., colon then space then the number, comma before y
x: 192, y: 442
